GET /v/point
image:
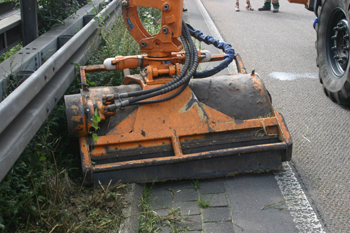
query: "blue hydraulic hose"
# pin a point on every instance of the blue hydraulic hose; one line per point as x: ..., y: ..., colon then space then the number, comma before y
x: 209, y: 40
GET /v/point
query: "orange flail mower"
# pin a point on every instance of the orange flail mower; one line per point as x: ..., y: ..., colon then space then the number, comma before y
x: 169, y: 122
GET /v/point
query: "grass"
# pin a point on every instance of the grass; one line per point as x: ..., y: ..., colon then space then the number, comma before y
x: 150, y: 221
x: 202, y: 203
x: 43, y: 192
x: 196, y: 184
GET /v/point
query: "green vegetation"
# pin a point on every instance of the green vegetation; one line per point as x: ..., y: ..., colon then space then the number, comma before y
x: 116, y: 42
x: 11, y: 52
x: 150, y: 221
x: 95, y: 120
x: 16, y: 2
x: 150, y: 18
x: 1, y: 1
x: 43, y: 191
x: 196, y: 184
x: 119, y: 42
x: 52, y: 13
x: 202, y: 203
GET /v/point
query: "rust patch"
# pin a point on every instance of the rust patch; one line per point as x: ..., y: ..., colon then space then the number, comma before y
x: 74, y: 109
x: 77, y: 119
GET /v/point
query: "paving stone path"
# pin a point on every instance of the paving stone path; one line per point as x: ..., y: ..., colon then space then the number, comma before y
x: 215, y: 217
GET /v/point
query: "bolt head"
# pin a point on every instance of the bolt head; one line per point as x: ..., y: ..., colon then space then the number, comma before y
x: 166, y: 7
x: 125, y: 3
x: 165, y: 30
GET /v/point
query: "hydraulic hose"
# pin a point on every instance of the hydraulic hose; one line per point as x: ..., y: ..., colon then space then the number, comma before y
x: 185, y: 80
x: 181, y: 79
x: 191, y: 64
x: 209, y: 40
x: 192, y: 59
x: 178, y: 77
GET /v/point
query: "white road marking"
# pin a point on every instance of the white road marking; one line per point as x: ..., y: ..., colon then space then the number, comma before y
x: 292, y: 76
x: 304, y: 217
x: 302, y: 212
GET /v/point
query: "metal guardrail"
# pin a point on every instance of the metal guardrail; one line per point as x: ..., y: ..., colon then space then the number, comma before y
x: 24, y: 111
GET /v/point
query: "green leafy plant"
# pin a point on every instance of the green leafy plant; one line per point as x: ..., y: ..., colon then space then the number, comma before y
x: 52, y: 13
x: 95, y: 120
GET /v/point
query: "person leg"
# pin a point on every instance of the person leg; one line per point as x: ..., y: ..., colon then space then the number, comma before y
x: 266, y: 6
x: 237, y: 5
x: 276, y: 6
x: 248, y: 7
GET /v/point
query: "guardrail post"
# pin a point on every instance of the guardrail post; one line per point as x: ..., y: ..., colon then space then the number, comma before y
x: 29, y: 21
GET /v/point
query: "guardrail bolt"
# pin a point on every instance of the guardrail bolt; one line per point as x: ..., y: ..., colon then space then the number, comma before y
x: 125, y: 3
x: 143, y: 44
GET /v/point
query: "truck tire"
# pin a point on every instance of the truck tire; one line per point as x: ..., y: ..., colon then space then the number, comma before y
x: 333, y: 50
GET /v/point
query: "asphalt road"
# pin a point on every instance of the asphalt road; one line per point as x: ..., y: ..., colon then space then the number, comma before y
x: 281, y: 48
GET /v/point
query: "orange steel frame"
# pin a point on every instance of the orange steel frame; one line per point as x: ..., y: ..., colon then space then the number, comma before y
x: 159, y: 47
x: 305, y: 2
x: 162, y: 44
x: 146, y: 127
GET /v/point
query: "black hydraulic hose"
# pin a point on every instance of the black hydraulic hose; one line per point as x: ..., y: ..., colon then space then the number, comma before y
x: 189, y: 54
x: 194, y: 61
x: 184, y: 81
x: 176, y: 79
x: 181, y: 82
x: 164, y: 99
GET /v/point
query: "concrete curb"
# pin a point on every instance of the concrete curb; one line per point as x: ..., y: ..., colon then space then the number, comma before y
x: 132, y: 198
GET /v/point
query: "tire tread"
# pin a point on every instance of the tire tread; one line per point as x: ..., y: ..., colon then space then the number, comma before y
x: 341, y: 96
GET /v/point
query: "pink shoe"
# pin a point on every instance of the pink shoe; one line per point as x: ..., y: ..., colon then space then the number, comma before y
x: 249, y: 7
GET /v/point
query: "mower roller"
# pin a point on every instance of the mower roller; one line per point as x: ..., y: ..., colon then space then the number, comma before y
x: 171, y: 122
